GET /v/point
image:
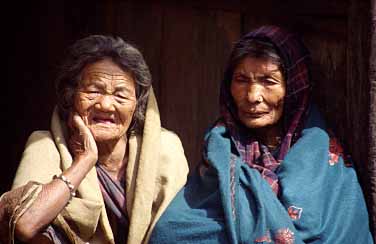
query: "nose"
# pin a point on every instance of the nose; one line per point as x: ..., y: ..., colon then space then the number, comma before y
x: 106, y: 103
x: 255, y: 93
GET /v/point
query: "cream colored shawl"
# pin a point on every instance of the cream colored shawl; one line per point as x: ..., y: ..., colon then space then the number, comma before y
x: 156, y: 171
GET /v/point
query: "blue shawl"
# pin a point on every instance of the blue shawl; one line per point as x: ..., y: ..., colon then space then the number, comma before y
x: 320, y: 199
x: 306, y: 192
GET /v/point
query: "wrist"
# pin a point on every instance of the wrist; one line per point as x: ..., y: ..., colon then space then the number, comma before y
x: 70, y: 186
x: 86, y: 159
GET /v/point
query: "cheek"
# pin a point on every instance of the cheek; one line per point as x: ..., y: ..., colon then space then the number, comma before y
x: 237, y: 93
x: 276, y: 98
x: 127, y: 112
x: 278, y: 102
x: 82, y: 105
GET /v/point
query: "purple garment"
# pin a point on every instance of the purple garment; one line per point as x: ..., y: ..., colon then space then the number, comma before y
x: 296, y: 60
x: 53, y: 233
x: 116, y: 205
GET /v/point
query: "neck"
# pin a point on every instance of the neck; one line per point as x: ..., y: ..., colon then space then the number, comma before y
x: 270, y: 136
x: 112, y: 156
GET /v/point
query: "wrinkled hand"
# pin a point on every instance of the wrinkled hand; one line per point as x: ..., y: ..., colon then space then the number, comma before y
x: 81, y: 141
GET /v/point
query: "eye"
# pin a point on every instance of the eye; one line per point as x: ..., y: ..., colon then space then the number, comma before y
x: 269, y: 81
x: 93, y: 92
x: 240, y: 79
x: 121, y: 97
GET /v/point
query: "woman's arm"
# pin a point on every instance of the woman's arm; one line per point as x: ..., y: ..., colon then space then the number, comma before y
x: 55, y: 194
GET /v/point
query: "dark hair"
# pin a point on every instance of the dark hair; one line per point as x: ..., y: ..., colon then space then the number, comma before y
x: 95, y: 48
x: 255, y: 48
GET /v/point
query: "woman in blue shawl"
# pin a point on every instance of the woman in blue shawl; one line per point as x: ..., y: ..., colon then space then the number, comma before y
x: 271, y: 171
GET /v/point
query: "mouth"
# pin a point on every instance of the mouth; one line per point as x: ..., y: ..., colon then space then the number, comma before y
x: 255, y: 115
x: 103, y: 120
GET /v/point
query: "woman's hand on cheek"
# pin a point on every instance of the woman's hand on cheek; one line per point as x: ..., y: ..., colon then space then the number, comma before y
x: 81, y: 141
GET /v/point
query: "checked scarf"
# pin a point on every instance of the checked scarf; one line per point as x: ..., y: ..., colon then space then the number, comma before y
x: 296, y: 60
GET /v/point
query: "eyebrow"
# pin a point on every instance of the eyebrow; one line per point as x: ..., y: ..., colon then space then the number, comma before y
x: 241, y: 74
x: 271, y: 74
x: 122, y: 87
x: 118, y: 87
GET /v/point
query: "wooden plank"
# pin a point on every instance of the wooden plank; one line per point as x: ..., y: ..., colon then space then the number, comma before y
x: 372, y: 120
x: 265, y: 7
x: 357, y: 84
x: 196, y: 46
x: 358, y: 103
x: 141, y: 24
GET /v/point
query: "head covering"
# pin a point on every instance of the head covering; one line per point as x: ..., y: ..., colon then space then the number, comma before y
x: 295, y: 60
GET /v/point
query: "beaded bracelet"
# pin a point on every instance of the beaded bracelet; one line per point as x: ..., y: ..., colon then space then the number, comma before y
x: 68, y: 183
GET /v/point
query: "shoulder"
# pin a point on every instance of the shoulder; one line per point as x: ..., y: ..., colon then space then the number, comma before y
x: 39, y: 160
x: 40, y: 137
x: 172, y: 152
x: 170, y: 138
x: 41, y: 143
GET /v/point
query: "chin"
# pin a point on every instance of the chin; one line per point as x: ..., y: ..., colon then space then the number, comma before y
x: 256, y: 124
x: 103, y: 137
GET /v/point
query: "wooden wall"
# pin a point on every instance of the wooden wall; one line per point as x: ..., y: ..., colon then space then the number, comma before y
x: 372, y: 113
x: 186, y: 46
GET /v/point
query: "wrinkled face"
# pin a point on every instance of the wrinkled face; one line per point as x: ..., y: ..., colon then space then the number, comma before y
x: 106, y: 100
x: 258, y: 89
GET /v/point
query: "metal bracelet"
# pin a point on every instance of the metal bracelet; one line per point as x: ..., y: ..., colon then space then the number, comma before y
x: 68, y: 183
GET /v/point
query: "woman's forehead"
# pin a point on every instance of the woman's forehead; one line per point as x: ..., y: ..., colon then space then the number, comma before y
x: 256, y: 65
x: 104, y: 70
x: 104, y: 67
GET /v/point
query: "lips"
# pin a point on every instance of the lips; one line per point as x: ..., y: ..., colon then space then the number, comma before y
x: 256, y: 114
x: 103, y: 120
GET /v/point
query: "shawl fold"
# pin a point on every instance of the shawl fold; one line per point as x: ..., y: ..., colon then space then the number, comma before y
x: 320, y: 201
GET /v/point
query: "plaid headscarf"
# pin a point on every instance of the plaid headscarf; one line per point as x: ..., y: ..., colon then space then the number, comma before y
x: 295, y: 61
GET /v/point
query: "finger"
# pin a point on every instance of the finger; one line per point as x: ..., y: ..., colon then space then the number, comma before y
x: 79, y: 123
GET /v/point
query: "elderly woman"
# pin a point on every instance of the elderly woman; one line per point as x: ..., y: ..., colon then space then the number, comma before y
x: 271, y: 172
x: 106, y: 170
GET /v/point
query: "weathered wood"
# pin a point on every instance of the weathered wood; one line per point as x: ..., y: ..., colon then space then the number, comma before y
x: 196, y: 46
x: 372, y: 119
x: 141, y: 24
x: 357, y: 88
x: 265, y: 7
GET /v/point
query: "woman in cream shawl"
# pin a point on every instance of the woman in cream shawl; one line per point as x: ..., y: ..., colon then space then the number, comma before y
x: 106, y: 169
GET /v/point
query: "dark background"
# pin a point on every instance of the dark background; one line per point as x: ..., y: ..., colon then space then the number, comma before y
x: 186, y: 45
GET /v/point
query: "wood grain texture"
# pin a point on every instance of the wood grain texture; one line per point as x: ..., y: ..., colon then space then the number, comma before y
x: 372, y: 117
x: 196, y: 45
x: 141, y: 25
x: 357, y: 87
